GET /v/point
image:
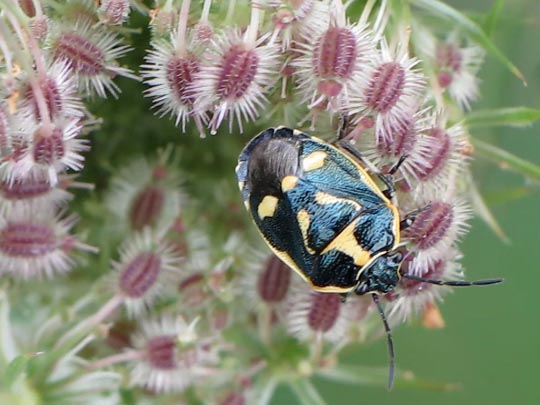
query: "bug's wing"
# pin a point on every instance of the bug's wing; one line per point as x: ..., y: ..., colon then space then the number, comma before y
x: 303, y: 222
x: 337, y: 174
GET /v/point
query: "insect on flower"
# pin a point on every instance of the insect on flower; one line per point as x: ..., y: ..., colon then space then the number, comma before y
x: 321, y: 212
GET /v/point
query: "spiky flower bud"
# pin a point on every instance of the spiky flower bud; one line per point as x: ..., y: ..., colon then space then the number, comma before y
x: 36, y: 243
x: 114, y: 12
x: 166, y: 365
x: 314, y: 315
x: 438, y: 227
x: 170, y: 74
x: 92, y: 54
x: 147, y: 266
x: 331, y: 66
x: 234, y: 78
x: 274, y: 281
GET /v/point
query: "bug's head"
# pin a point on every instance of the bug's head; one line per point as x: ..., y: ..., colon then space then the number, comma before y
x: 382, y: 275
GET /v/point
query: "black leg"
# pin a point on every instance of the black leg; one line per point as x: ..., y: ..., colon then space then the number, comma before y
x: 408, y: 220
x: 389, y: 341
x: 396, y: 167
x: 344, y: 123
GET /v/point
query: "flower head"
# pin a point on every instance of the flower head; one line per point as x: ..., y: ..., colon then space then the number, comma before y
x: 36, y: 243
x: 34, y: 188
x: 234, y: 78
x: 315, y: 315
x: 170, y: 71
x: 92, y: 54
x: 59, y: 89
x: 391, y: 89
x: 147, y: 266
x: 444, y: 156
x: 457, y: 69
x: 403, y: 140
x: 298, y: 20
x: 146, y: 194
x: 114, y: 12
x: 437, y: 228
x: 331, y: 63
x: 42, y: 152
x: 169, y: 362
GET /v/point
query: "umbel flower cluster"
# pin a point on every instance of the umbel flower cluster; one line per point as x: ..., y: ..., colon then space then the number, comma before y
x: 155, y: 287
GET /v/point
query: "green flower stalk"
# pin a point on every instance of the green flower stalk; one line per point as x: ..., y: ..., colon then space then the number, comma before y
x: 155, y: 290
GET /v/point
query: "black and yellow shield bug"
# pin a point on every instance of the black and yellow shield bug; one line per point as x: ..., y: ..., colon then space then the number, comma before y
x: 320, y: 211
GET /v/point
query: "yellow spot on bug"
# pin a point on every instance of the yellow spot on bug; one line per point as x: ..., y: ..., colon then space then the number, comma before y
x: 314, y: 160
x: 325, y: 198
x: 241, y: 185
x: 346, y: 242
x: 304, y: 221
x: 288, y: 183
x: 267, y: 207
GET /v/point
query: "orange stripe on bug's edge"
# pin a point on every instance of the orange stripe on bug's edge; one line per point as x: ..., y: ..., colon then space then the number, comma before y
x: 288, y: 183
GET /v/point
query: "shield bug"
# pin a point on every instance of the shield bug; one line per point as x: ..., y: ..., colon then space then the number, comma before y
x: 322, y: 213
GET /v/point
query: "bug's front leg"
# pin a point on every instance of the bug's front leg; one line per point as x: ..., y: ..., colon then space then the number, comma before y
x: 408, y: 220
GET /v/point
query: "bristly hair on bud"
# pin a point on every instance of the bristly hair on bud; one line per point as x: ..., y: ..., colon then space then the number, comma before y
x: 237, y: 72
x: 147, y: 267
x: 457, y: 68
x: 391, y: 89
x: 295, y: 20
x: 92, y: 53
x: 114, y: 12
x: 438, y: 227
x: 173, y: 357
x: 411, y: 297
x: 444, y: 155
x: 49, y: 153
x: 331, y: 63
x: 146, y: 194
x: 59, y: 88
x: 5, y: 132
x: 33, y: 188
x: 36, y: 243
x: 169, y: 71
x: 314, y: 315
x: 404, y: 140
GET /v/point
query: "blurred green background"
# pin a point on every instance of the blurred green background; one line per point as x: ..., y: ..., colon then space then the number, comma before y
x: 491, y: 342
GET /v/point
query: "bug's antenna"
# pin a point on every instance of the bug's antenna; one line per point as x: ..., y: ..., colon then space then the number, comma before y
x: 389, y: 340
x: 456, y: 283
